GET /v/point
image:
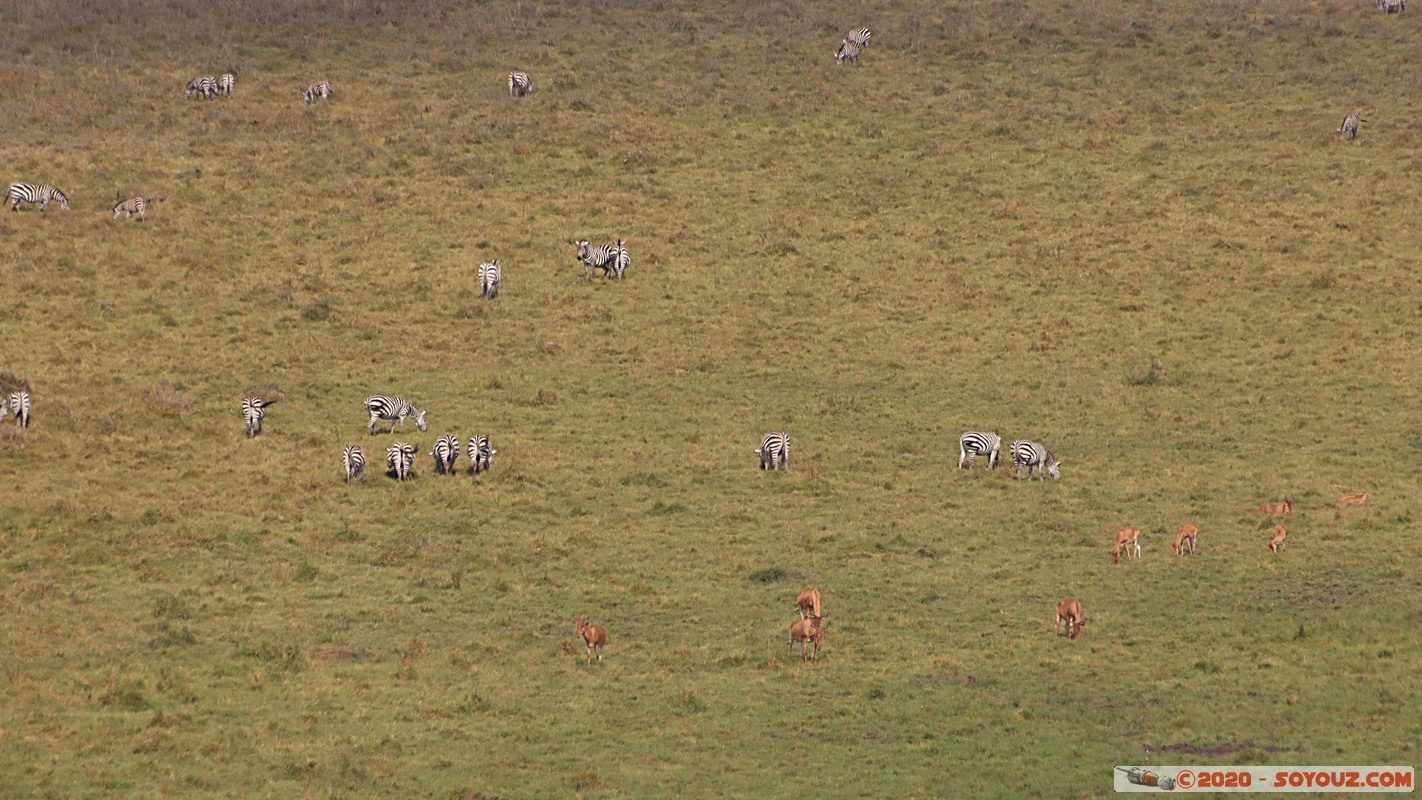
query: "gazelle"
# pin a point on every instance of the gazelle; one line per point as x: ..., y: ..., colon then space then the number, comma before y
x: 1185, y: 539
x: 806, y: 630
x: 1276, y: 544
x: 1286, y: 507
x: 808, y: 602
x: 1069, y: 611
x: 595, y: 636
x: 1130, y: 537
x: 1353, y: 499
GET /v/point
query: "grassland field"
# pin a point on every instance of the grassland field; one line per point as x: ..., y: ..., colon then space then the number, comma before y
x: 1125, y: 230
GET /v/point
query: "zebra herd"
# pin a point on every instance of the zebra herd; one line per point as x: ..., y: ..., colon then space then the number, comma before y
x: 612, y: 259
x: 854, y: 43
x: 208, y: 87
x: 1023, y: 453
x: 18, y: 403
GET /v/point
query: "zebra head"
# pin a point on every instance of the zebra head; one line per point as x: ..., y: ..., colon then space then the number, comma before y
x: 420, y: 421
x: 63, y: 201
x: 582, y: 245
x: 1055, y: 470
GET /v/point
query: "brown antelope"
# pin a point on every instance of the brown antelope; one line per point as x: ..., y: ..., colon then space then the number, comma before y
x: 1185, y: 539
x: 1353, y: 499
x: 1276, y: 544
x: 1286, y: 507
x: 1069, y: 611
x: 1130, y: 537
x: 809, y: 629
x: 595, y: 636
x: 809, y: 602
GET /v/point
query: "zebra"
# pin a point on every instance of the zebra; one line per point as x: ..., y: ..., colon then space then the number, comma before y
x: 519, y: 84
x: 1392, y: 6
x: 601, y: 257
x: 1349, y: 129
x: 621, y: 259
x: 480, y: 453
x: 354, y: 459
x: 225, y: 84
x: 40, y: 193
x: 974, y: 443
x: 253, y: 409
x: 1030, y: 454
x: 204, y: 87
x: 321, y: 91
x: 381, y: 406
x: 19, y: 405
x: 848, y: 51
x: 490, y: 275
x: 131, y: 206
x: 401, y: 458
x: 774, y: 446
x: 446, y: 452
x: 859, y: 36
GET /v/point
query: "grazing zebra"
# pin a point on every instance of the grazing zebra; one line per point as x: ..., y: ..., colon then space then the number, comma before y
x: 848, y: 51
x: 401, y: 458
x: 859, y: 36
x: 601, y: 257
x: 354, y: 459
x: 40, y: 193
x: 774, y: 447
x: 253, y: 409
x: 446, y: 452
x: 318, y: 91
x: 382, y: 406
x: 1392, y: 6
x: 489, y: 276
x: 519, y: 84
x: 204, y: 87
x: 19, y: 405
x: 621, y: 259
x: 1349, y: 129
x: 974, y: 443
x: 1030, y: 454
x: 225, y: 84
x: 480, y: 453
x: 131, y: 206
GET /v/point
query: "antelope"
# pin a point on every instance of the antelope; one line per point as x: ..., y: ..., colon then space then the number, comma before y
x: 1069, y: 611
x: 595, y: 636
x: 1185, y: 539
x: 809, y: 602
x: 1353, y: 499
x: 1286, y: 507
x: 1130, y: 537
x: 1276, y: 544
x: 805, y: 630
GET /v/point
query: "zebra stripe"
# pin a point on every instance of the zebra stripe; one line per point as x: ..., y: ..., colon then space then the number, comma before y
x: 253, y: 409
x: 131, y: 206
x: 318, y: 91
x: 40, y: 193
x: 19, y: 405
x: 975, y: 443
x: 225, y: 84
x: 859, y: 36
x: 480, y: 453
x: 1030, y: 454
x: 381, y: 406
x: 1349, y: 129
x: 204, y: 87
x: 489, y: 276
x: 601, y: 257
x: 353, y: 457
x: 519, y: 84
x: 446, y: 452
x: 848, y: 51
x: 774, y: 447
x: 400, y: 457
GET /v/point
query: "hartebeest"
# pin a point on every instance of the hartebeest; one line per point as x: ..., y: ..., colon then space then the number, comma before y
x: 1353, y: 499
x: 1185, y: 539
x: 1069, y: 611
x: 808, y: 602
x: 809, y: 629
x: 1276, y: 544
x: 1130, y: 537
x: 595, y: 636
x: 1286, y: 507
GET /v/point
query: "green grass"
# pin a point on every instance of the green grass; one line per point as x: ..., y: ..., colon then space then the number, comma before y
x: 1126, y: 231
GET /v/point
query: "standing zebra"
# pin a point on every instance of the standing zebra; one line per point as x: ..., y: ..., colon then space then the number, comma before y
x: 446, y: 452
x: 774, y: 447
x: 848, y: 51
x: 480, y: 453
x: 1030, y: 454
x: 1349, y: 129
x: 859, y: 36
x: 225, y: 84
x: 354, y: 459
x: 489, y: 276
x: 253, y: 409
x: 975, y: 443
x: 19, y: 405
x: 621, y: 259
x: 131, y: 206
x: 519, y: 84
x: 40, y: 193
x: 401, y: 458
x: 204, y: 87
x: 318, y: 91
x: 381, y: 406
x: 601, y: 257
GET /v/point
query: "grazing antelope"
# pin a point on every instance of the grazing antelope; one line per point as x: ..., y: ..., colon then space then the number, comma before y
x: 1286, y: 507
x: 1130, y: 537
x: 595, y: 636
x: 808, y: 602
x: 809, y: 629
x: 1276, y: 544
x: 1353, y: 499
x: 1185, y: 539
x: 1069, y: 611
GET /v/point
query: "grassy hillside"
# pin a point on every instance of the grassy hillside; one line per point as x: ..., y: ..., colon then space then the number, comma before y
x: 1126, y: 231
